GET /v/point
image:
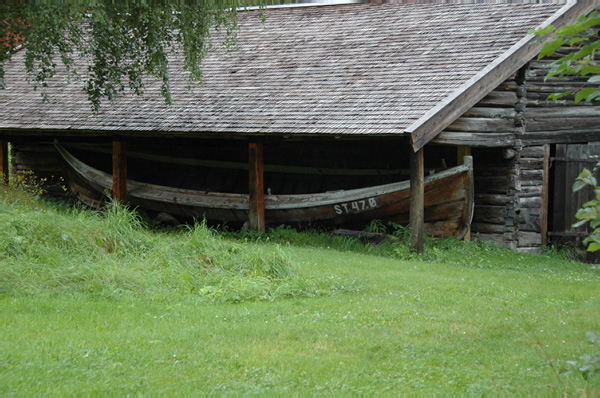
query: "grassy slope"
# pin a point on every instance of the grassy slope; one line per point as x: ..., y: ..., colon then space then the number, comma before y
x: 377, y: 324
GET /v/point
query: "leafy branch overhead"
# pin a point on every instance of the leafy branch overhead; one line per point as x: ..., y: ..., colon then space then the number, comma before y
x: 583, y: 39
x: 121, y: 42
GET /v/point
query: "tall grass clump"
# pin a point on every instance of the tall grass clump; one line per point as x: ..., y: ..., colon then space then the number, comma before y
x: 478, y: 254
x: 53, y: 249
x: 310, y: 237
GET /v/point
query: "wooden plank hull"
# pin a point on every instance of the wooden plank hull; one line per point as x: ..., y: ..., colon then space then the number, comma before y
x: 448, y: 201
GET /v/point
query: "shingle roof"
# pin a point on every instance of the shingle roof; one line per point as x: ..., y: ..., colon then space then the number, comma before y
x: 343, y: 69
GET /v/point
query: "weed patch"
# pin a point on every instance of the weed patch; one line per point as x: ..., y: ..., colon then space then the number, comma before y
x: 477, y: 254
x: 50, y: 249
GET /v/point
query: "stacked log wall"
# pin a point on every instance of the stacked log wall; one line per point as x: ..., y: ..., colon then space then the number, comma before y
x: 491, y: 128
x: 508, y: 130
x: 38, y: 160
x: 491, y: 123
x: 559, y: 121
x: 495, y: 186
x: 555, y: 122
x: 508, y: 197
x: 529, y: 197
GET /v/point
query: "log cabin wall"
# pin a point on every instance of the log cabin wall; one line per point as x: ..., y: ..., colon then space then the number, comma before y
x: 37, y: 158
x: 565, y: 125
x: 491, y: 128
x: 509, y: 130
x: 495, y: 187
x: 529, y: 190
x: 508, y: 196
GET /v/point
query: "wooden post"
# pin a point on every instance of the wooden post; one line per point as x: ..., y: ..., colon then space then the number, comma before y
x: 256, y: 189
x: 462, y: 152
x: 4, y: 162
x: 417, y: 201
x: 545, y: 192
x: 119, y: 158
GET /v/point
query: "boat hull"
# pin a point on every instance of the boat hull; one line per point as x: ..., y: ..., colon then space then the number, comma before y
x: 448, y: 201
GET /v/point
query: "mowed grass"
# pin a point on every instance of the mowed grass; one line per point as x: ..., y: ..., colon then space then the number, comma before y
x: 189, y: 311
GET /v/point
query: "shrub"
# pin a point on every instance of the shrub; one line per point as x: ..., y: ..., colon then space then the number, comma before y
x: 590, y: 211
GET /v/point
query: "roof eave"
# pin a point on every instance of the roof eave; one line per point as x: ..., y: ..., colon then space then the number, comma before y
x: 467, y: 95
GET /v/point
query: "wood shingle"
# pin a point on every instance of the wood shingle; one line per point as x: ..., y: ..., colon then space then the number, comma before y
x: 330, y: 70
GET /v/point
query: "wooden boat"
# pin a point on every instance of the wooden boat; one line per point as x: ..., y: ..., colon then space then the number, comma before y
x: 448, y: 200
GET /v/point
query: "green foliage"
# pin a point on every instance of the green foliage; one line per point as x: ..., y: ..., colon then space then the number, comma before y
x: 49, y: 249
x: 588, y: 365
x: 96, y: 303
x: 414, y: 328
x: 590, y: 211
x: 400, y: 231
x: 124, y: 41
x: 376, y: 226
x: 287, y: 235
x: 583, y: 38
x: 451, y: 252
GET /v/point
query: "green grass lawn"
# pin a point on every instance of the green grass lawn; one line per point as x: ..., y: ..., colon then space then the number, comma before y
x: 98, y: 303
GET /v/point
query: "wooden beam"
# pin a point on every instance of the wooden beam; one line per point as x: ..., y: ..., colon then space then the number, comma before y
x: 545, y: 193
x: 256, y: 190
x: 452, y: 107
x: 474, y: 140
x: 417, y: 201
x: 462, y: 152
x: 119, y: 158
x: 4, y: 162
x: 274, y: 168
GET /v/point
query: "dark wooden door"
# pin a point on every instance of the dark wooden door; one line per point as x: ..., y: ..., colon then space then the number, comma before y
x: 568, y: 161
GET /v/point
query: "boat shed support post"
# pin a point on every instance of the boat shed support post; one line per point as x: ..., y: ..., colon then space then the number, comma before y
x: 462, y: 152
x: 417, y: 201
x: 256, y: 189
x: 119, y: 160
x: 3, y: 162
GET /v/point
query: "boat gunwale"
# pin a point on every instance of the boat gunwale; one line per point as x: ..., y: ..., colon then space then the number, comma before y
x: 235, y: 201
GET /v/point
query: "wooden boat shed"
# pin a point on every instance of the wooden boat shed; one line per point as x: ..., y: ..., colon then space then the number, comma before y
x: 407, y: 85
